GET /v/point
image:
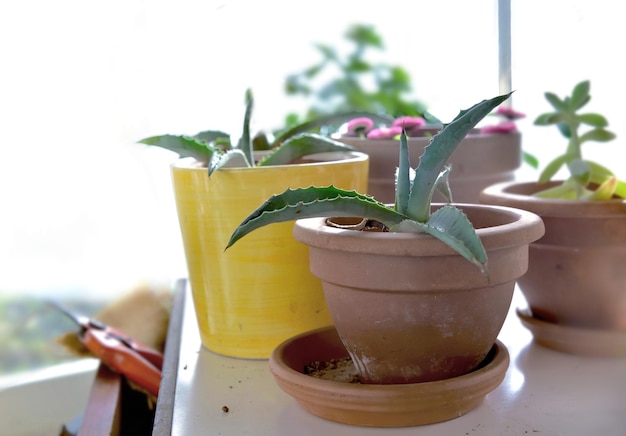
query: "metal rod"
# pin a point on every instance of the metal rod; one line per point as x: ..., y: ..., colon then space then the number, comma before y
x: 504, y: 48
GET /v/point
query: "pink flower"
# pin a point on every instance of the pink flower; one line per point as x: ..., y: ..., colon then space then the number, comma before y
x: 503, y: 127
x: 359, y: 126
x: 409, y: 123
x: 384, y: 132
x: 509, y: 113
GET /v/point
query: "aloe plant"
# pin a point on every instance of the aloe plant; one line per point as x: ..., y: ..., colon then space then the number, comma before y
x: 414, y: 190
x: 216, y: 149
x: 588, y: 180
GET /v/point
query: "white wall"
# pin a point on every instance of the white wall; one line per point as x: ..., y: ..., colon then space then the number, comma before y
x: 85, y: 209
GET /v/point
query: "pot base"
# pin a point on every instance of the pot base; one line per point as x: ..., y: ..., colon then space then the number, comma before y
x: 574, y: 340
x: 372, y: 405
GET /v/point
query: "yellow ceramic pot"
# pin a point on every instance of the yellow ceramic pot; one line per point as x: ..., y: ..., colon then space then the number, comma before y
x: 259, y: 292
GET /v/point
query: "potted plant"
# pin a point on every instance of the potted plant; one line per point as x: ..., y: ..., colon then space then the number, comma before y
x: 343, y: 82
x: 575, y: 282
x: 489, y: 154
x: 413, y: 301
x: 251, y: 298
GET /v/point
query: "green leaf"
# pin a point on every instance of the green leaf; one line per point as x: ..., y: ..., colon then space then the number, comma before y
x: 556, y: 102
x: 530, y: 159
x: 580, y: 96
x: 185, y: 146
x: 566, y: 190
x: 595, y: 120
x: 313, y: 202
x: 451, y: 226
x: 550, y: 118
x: 301, y: 145
x: 230, y: 159
x: 439, y: 150
x: 245, y: 142
x: 554, y: 166
x: 599, y: 170
x: 605, y: 191
x: 210, y: 136
x: 599, y: 135
x: 364, y: 35
x: 403, y: 176
x: 442, y: 185
x: 326, y: 50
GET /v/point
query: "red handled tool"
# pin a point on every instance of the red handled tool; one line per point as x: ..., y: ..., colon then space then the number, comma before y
x: 137, y: 362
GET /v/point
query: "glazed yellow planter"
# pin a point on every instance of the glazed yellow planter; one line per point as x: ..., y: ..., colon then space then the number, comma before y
x: 259, y: 292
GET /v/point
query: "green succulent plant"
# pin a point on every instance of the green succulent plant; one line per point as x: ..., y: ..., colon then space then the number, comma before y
x: 414, y: 190
x: 339, y: 83
x: 588, y: 180
x: 216, y: 149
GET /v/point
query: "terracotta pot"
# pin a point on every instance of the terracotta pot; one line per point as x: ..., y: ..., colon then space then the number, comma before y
x: 577, y: 274
x: 480, y: 160
x: 408, y: 308
x: 260, y: 291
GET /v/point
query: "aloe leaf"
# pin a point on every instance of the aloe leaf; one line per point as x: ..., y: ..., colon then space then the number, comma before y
x: 437, y: 153
x: 210, y: 136
x: 185, y: 146
x: 442, y: 185
x: 230, y: 159
x: 313, y: 202
x: 451, y: 226
x: 245, y: 141
x: 302, y: 145
x: 327, y: 120
x: 403, y: 176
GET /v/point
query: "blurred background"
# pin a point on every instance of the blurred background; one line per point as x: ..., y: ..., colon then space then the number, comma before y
x: 86, y: 213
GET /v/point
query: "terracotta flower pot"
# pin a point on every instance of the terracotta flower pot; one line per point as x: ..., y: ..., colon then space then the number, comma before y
x: 480, y: 161
x: 407, y: 307
x: 260, y: 292
x: 577, y: 275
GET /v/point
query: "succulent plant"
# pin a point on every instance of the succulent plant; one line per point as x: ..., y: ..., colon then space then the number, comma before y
x: 413, y: 203
x: 588, y: 180
x: 216, y: 149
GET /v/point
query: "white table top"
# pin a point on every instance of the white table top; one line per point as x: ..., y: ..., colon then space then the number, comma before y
x: 545, y: 393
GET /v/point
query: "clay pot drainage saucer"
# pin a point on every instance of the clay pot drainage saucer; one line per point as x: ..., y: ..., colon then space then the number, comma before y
x: 574, y: 340
x: 371, y: 405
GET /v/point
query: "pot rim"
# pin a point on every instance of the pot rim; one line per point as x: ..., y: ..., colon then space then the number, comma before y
x: 326, y: 158
x: 471, y: 137
x: 518, y: 227
x: 517, y: 194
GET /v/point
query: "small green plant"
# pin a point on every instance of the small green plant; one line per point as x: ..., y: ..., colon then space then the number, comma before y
x: 217, y: 150
x: 414, y: 190
x: 588, y: 180
x: 341, y: 83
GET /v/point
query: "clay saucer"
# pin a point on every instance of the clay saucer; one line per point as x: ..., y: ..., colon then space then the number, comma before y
x: 371, y: 405
x: 574, y: 340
